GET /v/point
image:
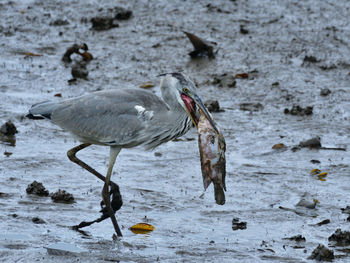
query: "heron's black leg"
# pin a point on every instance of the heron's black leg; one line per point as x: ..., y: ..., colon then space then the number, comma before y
x: 72, y: 156
x: 116, y: 197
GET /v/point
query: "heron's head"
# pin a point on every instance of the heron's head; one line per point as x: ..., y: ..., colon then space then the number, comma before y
x: 183, y: 88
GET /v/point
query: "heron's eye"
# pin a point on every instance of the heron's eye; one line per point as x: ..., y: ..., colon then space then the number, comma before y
x: 185, y: 90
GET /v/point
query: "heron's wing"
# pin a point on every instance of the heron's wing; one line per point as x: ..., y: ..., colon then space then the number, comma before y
x: 115, y: 117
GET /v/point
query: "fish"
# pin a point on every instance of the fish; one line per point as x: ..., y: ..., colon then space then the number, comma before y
x: 212, y: 148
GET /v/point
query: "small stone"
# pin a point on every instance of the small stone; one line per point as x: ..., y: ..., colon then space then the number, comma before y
x: 38, y: 220
x: 225, y: 80
x: 323, y: 222
x: 37, y: 188
x: 313, y: 143
x: 297, y: 238
x: 7, y: 154
x: 212, y: 106
x: 248, y: 106
x: 325, y: 92
x: 237, y: 225
x: 243, y: 30
x: 297, y: 110
x: 122, y: 13
x: 59, y: 22
x: 315, y: 161
x: 103, y: 23
x: 311, y: 59
x: 321, y: 253
x: 346, y: 210
x: 61, y: 196
x: 307, y: 204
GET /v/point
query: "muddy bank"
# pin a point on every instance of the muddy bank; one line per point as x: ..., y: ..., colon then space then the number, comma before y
x: 269, y: 57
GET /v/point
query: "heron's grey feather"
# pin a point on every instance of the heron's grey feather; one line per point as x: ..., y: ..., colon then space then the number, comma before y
x: 124, y: 118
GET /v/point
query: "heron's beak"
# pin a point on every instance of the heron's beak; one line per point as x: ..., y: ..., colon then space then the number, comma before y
x: 191, y: 102
x: 201, y: 106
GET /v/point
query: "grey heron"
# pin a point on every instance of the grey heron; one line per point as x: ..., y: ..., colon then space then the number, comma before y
x: 125, y: 118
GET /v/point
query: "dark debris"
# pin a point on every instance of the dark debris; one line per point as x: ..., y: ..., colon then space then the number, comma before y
x: 322, y: 253
x: 297, y: 110
x: 237, y: 225
x: 341, y: 238
x: 61, y: 196
x: 37, y: 188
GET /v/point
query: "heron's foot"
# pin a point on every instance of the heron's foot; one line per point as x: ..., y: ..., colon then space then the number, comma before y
x: 116, y: 202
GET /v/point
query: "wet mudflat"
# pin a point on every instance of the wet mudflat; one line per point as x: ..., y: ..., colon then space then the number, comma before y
x: 271, y: 56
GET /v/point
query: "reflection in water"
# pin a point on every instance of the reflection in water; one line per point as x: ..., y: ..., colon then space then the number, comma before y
x: 8, y: 140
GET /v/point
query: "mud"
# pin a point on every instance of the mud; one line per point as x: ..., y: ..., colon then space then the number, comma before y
x: 290, y: 51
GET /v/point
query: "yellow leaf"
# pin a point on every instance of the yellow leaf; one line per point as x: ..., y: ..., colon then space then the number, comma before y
x: 31, y: 54
x: 142, y: 228
x: 147, y: 85
x: 315, y: 171
x: 278, y: 146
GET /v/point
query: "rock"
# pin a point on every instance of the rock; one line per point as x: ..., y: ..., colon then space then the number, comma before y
x: 213, y: 106
x: 297, y: 238
x: 59, y: 22
x: 325, y: 92
x: 341, y: 238
x: 103, y: 23
x: 61, y: 196
x: 64, y: 249
x: 236, y: 225
x: 323, y: 222
x: 225, y: 80
x: 243, y: 30
x: 310, y: 59
x: 297, y: 110
x: 37, y: 188
x: 38, y: 220
x: 321, y: 253
x: 121, y: 13
x: 310, y: 204
x: 106, y: 19
x: 313, y: 143
x: 315, y: 161
x: 249, y: 106
x: 8, y: 129
x: 346, y: 210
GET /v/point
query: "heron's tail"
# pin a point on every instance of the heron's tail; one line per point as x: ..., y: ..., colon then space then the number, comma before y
x: 42, y: 110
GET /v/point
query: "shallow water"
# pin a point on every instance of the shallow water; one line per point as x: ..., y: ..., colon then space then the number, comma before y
x: 165, y: 190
